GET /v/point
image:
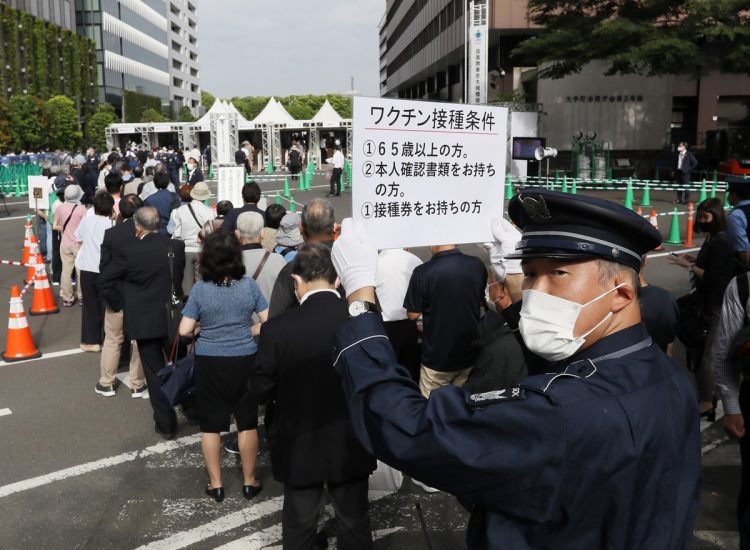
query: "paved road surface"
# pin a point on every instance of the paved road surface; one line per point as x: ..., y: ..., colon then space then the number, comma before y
x: 83, y: 471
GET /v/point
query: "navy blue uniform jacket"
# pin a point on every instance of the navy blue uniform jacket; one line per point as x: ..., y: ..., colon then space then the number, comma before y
x: 604, y: 453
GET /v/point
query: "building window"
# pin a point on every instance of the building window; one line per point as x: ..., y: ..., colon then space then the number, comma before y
x: 66, y: 14
x: 56, y: 11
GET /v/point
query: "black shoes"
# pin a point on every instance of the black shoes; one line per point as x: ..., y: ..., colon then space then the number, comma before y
x: 106, y: 391
x: 217, y: 494
x: 165, y: 435
x: 139, y: 392
x: 249, y: 491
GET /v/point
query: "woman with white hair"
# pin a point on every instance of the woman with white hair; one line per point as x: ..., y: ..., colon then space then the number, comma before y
x: 66, y: 220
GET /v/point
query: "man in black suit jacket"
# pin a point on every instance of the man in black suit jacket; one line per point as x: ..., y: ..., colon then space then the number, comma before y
x: 311, y: 438
x: 194, y: 172
x: 137, y: 281
x: 685, y: 163
x: 115, y: 239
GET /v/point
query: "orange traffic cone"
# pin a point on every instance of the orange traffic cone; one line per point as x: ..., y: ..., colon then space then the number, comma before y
x: 34, y: 260
x: 655, y: 223
x: 19, y: 344
x: 689, y: 239
x: 44, y: 301
x: 28, y: 234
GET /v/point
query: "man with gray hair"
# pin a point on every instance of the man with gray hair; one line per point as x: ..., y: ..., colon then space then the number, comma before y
x: 137, y: 281
x: 317, y: 226
x: 261, y: 265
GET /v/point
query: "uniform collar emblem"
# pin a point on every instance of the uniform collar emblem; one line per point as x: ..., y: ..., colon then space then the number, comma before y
x: 536, y: 209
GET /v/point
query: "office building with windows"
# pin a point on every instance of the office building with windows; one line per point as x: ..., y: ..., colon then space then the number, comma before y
x: 131, y: 42
x: 58, y: 12
x: 184, y: 86
x: 422, y: 57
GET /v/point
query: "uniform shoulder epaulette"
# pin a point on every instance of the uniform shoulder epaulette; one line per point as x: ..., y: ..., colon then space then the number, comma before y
x: 513, y: 393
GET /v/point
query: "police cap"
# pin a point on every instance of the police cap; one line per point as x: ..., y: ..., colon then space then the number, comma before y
x: 567, y: 227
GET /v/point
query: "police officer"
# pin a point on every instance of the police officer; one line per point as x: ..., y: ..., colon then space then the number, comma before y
x: 603, y: 452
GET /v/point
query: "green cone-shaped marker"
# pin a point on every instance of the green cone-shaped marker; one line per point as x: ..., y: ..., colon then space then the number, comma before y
x: 674, y: 230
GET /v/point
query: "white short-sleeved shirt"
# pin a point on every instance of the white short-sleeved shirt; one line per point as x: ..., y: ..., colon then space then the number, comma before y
x: 392, y: 280
x: 90, y: 233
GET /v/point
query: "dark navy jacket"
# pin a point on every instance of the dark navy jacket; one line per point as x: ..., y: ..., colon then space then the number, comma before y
x: 604, y: 453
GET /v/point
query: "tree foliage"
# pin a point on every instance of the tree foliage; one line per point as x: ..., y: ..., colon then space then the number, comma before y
x: 64, y: 129
x: 651, y: 37
x: 6, y: 132
x: 152, y: 115
x: 27, y: 122
x: 185, y: 114
x: 103, y: 117
x: 207, y: 100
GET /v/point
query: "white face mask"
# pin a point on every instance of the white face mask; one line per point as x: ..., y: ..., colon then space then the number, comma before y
x: 547, y: 324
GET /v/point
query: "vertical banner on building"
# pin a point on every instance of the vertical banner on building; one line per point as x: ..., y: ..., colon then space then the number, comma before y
x: 427, y: 173
x: 477, y: 51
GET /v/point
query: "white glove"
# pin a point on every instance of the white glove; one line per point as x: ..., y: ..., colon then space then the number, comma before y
x: 355, y: 257
x: 506, y: 237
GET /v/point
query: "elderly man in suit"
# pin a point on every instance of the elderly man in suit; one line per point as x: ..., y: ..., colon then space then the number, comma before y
x: 137, y: 281
x: 115, y: 239
x: 311, y: 438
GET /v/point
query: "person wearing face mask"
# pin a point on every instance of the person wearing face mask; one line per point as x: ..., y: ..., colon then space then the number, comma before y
x: 602, y: 451
x: 194, y: 172
x: 710, y: 273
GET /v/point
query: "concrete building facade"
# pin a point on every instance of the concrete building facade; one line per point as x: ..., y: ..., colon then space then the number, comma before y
x: 184, y: 85
x: 59, y: 12
x: 422, y: 57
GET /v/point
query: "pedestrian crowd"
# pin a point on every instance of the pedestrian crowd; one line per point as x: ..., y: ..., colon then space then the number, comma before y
x: 537, y: 390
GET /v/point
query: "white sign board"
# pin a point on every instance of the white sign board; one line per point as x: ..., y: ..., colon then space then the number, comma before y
x: 231, y: 181
x: 427, y: 173
x: 39, y: 192
x: 479, y: 36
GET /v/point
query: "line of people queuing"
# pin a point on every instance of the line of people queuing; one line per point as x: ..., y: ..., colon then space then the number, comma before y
x: 264, y: 304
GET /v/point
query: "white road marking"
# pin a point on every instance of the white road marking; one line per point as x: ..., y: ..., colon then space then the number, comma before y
x: 51, y: 355
x: 74, y: 471
x: 12, y: 218
x: 5, y: 412
x: 711, y: 446
x: 218, y: 526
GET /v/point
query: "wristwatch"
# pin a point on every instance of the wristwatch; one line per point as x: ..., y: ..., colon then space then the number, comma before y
x: 358, y: 307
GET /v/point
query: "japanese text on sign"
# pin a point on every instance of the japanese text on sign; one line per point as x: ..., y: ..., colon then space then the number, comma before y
x: 427, y: 173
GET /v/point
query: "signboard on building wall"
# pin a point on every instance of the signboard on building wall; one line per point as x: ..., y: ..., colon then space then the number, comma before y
x: 427, y: 173
x: 477, y: 51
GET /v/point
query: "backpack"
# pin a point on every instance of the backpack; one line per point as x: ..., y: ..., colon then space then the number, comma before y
x: 739, y: 351
x: 294, y: 158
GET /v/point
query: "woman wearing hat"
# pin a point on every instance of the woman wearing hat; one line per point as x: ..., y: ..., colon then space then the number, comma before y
x: 66, y: 220
x: 186, y: 223
x: 288, y: 237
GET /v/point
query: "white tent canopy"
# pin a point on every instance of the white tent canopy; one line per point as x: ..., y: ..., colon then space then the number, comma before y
x: 274, y: 113
x: 327, y: 115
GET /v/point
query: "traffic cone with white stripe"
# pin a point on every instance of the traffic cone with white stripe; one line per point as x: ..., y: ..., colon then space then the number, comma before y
x: 19, y: 343
x: 44, y: 301
x: 28, y: 234
x: 655, y: 223
x: 34, y: 260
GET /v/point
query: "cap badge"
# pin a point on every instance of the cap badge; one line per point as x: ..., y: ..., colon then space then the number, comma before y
x: 536, y: 209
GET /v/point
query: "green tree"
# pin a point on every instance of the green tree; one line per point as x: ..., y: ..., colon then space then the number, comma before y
x: 185, y: 114
x: 64, y: 129
x: 152, y: 115
x: 53, y: 60
x: 98, y: 122
x: 27, y: 122
x: 6, y: 131
x: 40, y: 59
x: 654, y: 37
x: 207, y: 100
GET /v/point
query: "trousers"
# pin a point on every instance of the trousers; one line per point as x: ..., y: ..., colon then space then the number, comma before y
x: 114, y: 336
x: 336, y: 181
x: 92, y: 316
x: 302, y: 507
x: 152, y: 355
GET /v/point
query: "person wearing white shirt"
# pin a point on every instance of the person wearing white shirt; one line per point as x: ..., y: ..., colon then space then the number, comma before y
x: 185, y: 224
x: 90, y: 233
x: 337, y: 160
x: 395, y: 268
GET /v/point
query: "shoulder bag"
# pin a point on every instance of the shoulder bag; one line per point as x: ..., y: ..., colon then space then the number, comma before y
x: 174, y: 304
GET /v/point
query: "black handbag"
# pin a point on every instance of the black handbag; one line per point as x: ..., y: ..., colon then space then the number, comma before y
x: 174, y: 304
x: 693, y: 325
x: 178, y: 376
